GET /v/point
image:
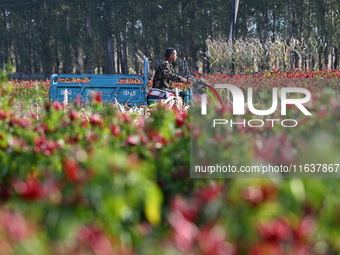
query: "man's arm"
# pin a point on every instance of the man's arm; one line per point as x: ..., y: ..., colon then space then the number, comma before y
x: 169, y: 74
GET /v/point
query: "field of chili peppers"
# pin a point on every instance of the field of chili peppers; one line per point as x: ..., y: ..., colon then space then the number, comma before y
x: 94, y: 180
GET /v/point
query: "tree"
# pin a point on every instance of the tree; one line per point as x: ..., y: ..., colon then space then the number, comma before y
x: 107, y: 36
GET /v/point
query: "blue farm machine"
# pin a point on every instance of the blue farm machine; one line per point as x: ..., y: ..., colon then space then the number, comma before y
x: 131, y: 90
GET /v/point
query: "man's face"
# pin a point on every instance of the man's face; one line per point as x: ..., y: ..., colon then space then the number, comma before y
x: 173, y: 57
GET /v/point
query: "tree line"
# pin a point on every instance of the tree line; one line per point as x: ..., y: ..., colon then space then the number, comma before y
x: 113, y: 36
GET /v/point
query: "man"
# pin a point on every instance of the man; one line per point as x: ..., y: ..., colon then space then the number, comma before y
x: 165, y: 75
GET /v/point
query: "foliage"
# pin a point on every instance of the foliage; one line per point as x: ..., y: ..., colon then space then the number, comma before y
x: 252, y: 56
x: 93, y: 180
x: 263, y: 82
x: 104, y: 36
x: 26, y: 90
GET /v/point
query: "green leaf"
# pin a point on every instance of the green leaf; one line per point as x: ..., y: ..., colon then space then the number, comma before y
x: 153, y: 203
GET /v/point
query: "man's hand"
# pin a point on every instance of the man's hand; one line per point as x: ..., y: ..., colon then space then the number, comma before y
x: 184, y: 80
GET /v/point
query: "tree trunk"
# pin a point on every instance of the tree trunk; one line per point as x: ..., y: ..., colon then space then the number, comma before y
x: 274, y: 21
x: 119, y: 53
x: 336, y: 58
x: 125, y: 69
x: 288, y: 20
x: 110, y: 54
x: 67, y: 51
x: 109, y: 39
x: 79, y: 53
x: 47, y: 66
x: 56, y: 56
x: 89, y: 48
